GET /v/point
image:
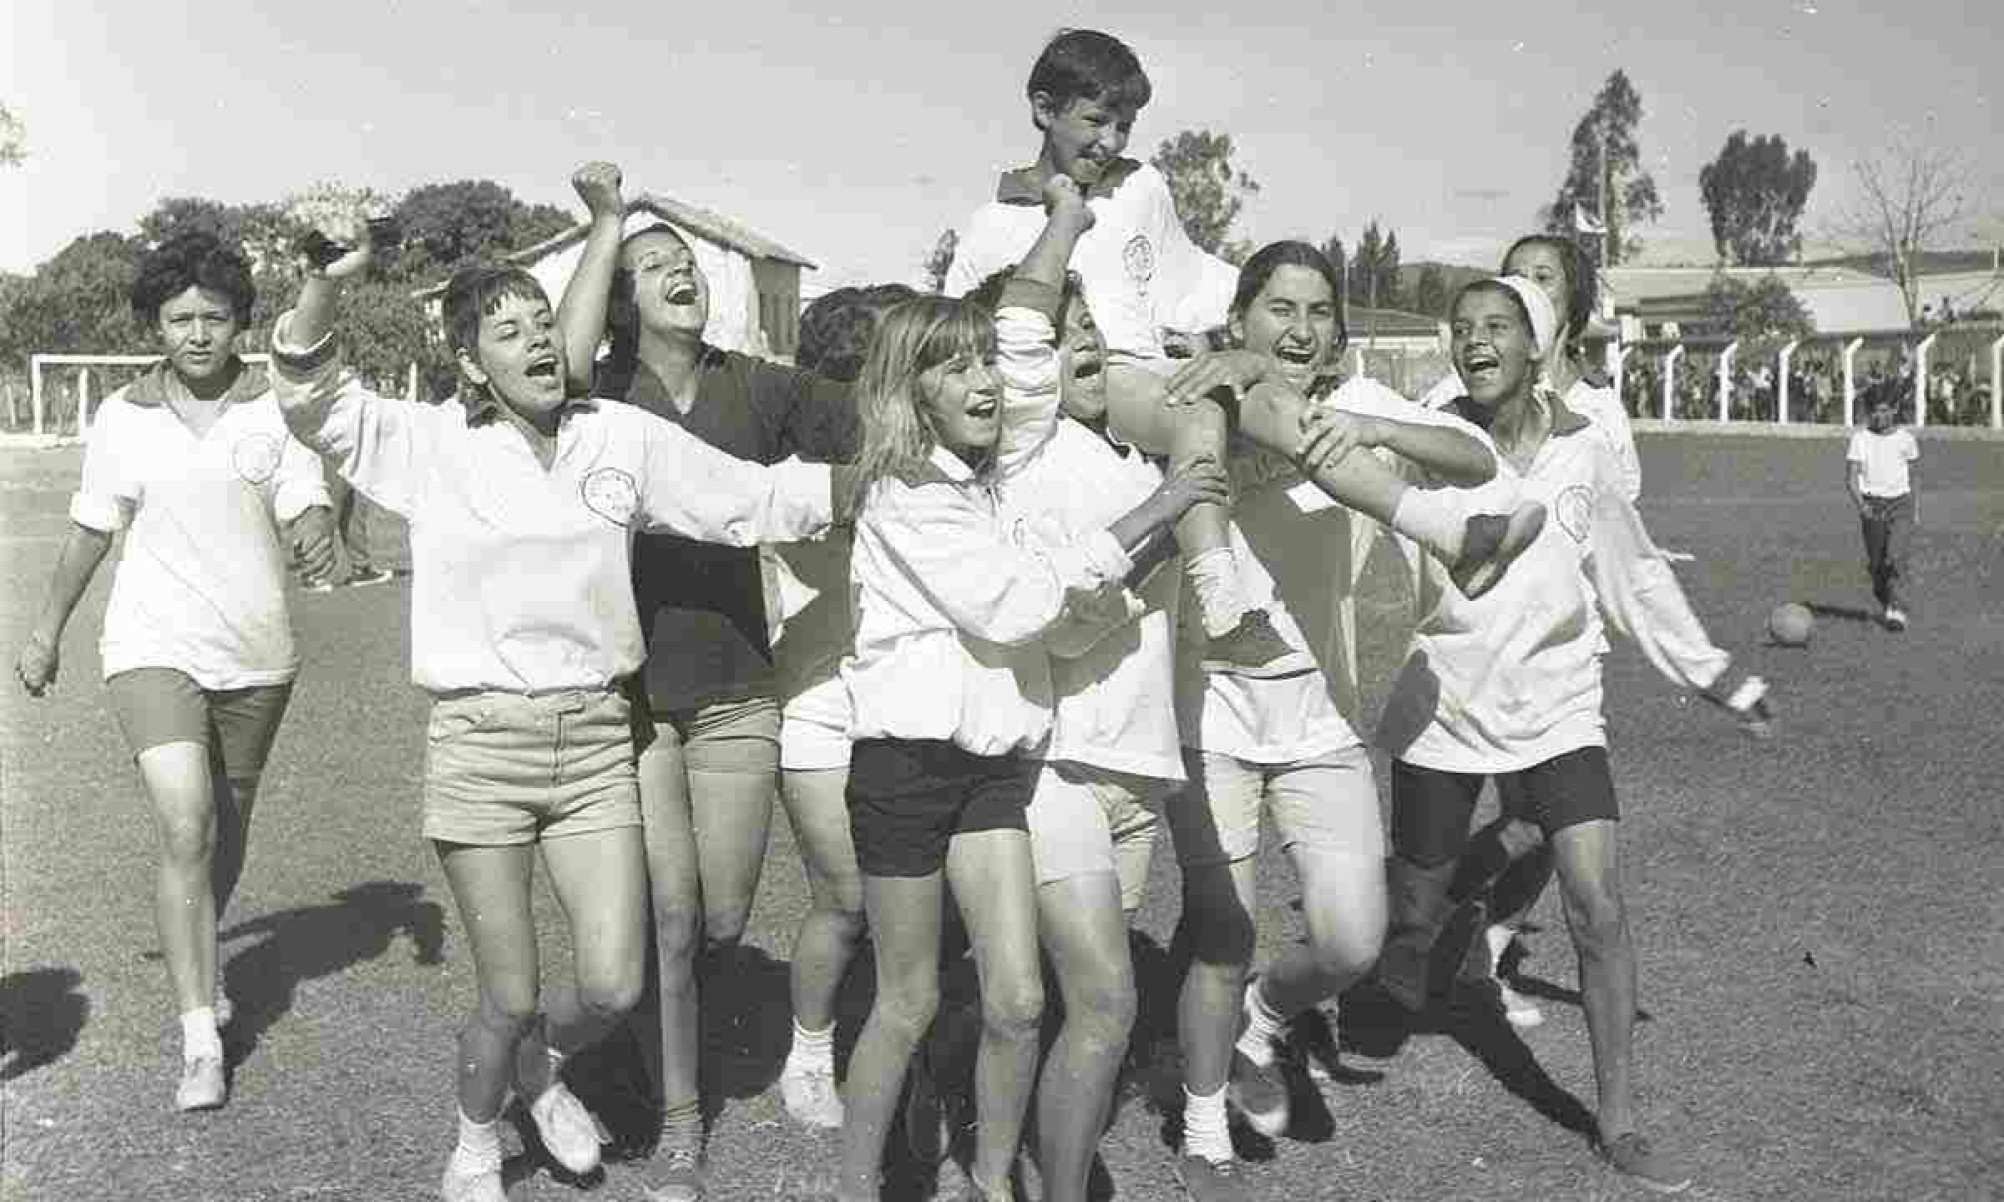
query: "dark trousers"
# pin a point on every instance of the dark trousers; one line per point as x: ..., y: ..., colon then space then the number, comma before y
x: 1888, y: 524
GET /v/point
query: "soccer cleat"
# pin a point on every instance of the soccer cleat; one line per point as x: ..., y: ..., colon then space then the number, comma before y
x: 472, y: 1179
x: 1634, y: 1157
x: 1896, y: 618
x: 1258, y: 1092
x: 1748, y: 703
x: 1255, y: 649
x: 811, y: 1097
x: 1206, y: 1180
x: 203, y: 1086
x: 678, y: 1179
x: 1491, y: 543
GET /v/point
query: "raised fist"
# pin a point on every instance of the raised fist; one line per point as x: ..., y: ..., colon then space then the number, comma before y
x: 597, y: 185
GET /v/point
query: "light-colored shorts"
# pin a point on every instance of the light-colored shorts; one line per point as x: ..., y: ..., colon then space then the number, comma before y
x: 165, y: 705
x: 1328, y: 803
x: 725, y: 738
x: 507, y: 768
x: 1085, y: 819
x: 814, y: 728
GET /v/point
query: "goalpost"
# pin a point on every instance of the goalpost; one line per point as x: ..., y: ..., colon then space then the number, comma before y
x: 84, y: 363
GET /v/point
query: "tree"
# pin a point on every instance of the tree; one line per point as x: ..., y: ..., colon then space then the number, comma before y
x: 1755, y: 192
x: 1208, y: 192
x: 1761, y: 315
x: 13, y: 139
x: 939, y: 259
x: 1606, y: 163
x: 1908, y: 197
x: 1373, y: 272
x: 80, y: 301
x: 445, y: 225
x: 384, y: 331
x: 1430, y: 294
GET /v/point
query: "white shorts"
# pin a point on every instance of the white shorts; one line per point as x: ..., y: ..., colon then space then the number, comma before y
x: 1327, y: 804
x: 814, y: 728
x: 1084, y: 819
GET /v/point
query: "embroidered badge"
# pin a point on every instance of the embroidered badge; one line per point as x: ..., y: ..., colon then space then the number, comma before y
x: 1574, y: 510
x: 1138, y: 257
x: 611, y: 494
x: 256, y: 456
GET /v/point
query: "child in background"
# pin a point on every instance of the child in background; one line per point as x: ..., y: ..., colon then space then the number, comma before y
x: 1881, y: 481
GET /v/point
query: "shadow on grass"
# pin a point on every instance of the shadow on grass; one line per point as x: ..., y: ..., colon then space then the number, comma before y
x: 42, y: 1013
x: 1849, y: 613
x: 309, y: 942
x: 1485, y: 1034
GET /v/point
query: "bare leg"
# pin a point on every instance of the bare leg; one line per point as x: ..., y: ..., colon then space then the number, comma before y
x: 995, y: 885
x: 1085, y: 933
x: 904, y: 917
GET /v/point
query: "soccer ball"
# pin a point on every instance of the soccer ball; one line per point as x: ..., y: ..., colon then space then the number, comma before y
x: 1790, y: 624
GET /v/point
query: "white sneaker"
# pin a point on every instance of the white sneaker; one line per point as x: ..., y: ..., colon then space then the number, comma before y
x: 566, y: 1128
x: 1896, y: 618
x: 811, y: 1096
x: 1522, y: 1012
x: 471, y: 1180
x: 203, y: 1086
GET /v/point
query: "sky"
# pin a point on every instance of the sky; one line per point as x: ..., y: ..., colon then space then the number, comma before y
x: 857, y: 139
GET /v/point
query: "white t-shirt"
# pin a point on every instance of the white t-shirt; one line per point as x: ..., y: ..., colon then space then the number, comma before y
x: 1598, y: 405
x: 1140, y: 271
x: 1884, y: 459
x: 200, y: 587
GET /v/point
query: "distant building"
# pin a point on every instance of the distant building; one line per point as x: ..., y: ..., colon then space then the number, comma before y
x: 754, y: 281
x: 1837, y: 297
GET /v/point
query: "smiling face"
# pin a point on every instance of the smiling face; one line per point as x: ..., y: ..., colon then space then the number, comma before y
x: 1542, y: 265
x: 198, y: 330
x: 519, y: 355
x: 1083, y: 137
x: 962, y: 400
x: 670, y: 295
x: 1492, y: 346
x: 1293, y: 319
x: 1081, y: 363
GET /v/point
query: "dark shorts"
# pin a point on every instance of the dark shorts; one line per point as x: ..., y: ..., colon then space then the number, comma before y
x: 1431, y: 809
x: 909, y: 797
x: 163, y: 705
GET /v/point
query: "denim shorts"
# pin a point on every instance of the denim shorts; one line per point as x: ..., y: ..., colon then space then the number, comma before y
x: 507, y: 768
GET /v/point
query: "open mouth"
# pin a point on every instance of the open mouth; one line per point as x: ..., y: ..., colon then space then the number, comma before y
x: 984, y: 409
x: 1087, y: 369
x: 682, y: 294
x: 1296, y: 356
x: 543, y: 367
x: 1480, y: 365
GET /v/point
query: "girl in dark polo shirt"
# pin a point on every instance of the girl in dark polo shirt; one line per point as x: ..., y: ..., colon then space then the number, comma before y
x: 709, y: 776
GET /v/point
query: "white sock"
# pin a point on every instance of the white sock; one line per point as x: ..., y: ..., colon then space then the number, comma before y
x: 199, y: 1039
x: 1205, y: 1131
x: 1496, y: 939
x: 479, y: 1144
x: 812, y: 1049
x: 1263, y: 1026
x: 1434, y: 518
x: 1214, y: 575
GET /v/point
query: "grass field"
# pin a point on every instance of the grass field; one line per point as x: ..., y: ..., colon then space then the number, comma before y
x: 1819, y: 917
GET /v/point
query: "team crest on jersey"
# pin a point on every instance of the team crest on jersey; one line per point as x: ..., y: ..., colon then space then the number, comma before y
x: 1138, y: 257
x: 256, y: 456
x: 1574, y: 510
x: 611, y: 493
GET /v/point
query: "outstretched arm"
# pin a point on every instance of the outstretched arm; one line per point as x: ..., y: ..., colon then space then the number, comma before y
x: 581, y: 313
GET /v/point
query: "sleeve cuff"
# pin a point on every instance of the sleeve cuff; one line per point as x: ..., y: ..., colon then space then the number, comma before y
x: 293, y: 359
x: 294, y: 499
x: 1020, y: 293
x: 102, y: 514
